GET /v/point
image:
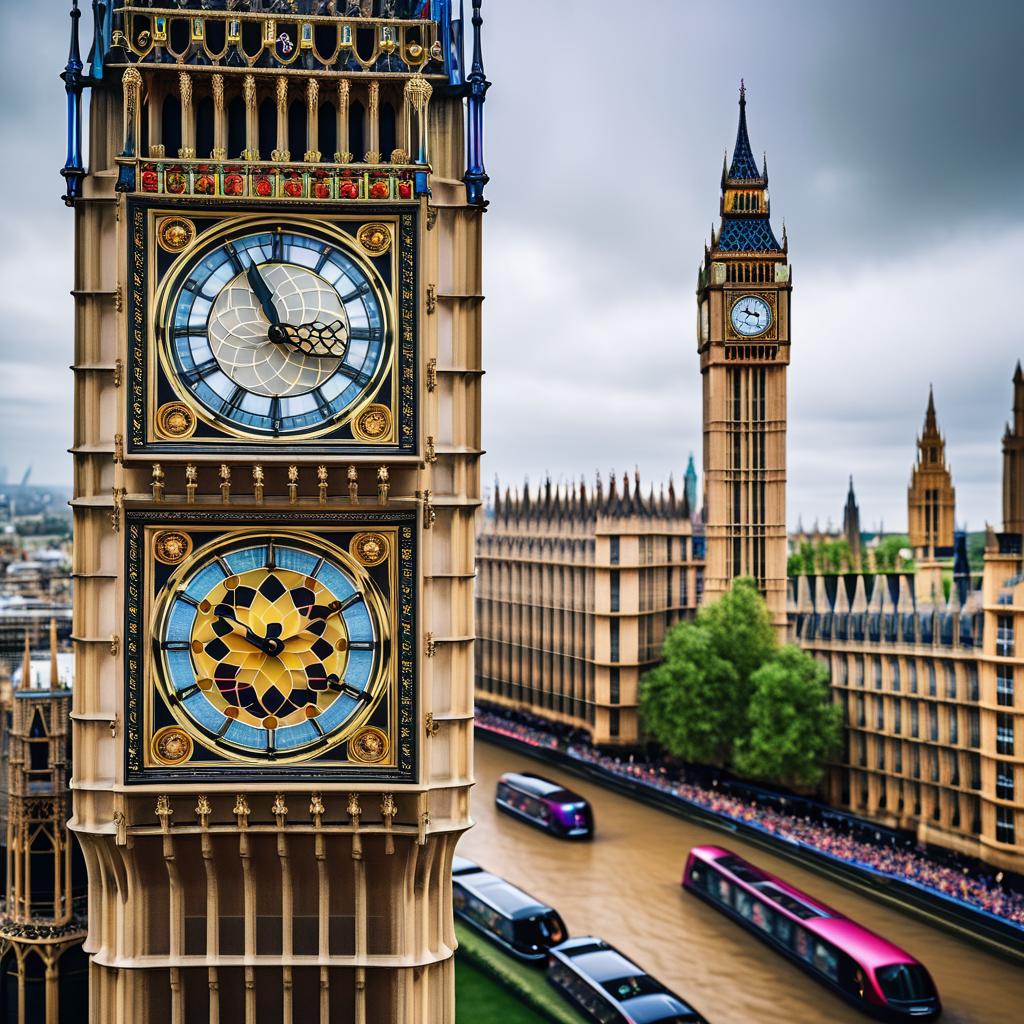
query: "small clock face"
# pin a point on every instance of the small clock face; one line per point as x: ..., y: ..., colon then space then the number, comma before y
x: 276, y: 333
x: 270, y: 647
x: 750, y: 315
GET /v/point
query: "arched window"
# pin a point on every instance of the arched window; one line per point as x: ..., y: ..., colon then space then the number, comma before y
x: 204, y: 126
x: 327, y: 131
x: 170, y: 124
x: 267, y: 128
x: 356, y: 138
x: 297, y: 129
x: 236, y: 127
x: 388, y: 136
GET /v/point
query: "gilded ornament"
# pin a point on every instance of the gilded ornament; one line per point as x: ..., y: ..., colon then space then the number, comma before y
x: 375, y: 238
x: 373, y: 423
x: 369, y: 548
x: 175, y: 233
x: 172, y: 745
x: 369, y: 745
x: 172, y: 547
x: 175, y: 420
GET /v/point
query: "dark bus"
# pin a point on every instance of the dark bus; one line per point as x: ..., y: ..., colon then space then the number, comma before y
x: 545, y: 804
x: 508, y: 916
x: 862, y: 967
x: 603, y: 984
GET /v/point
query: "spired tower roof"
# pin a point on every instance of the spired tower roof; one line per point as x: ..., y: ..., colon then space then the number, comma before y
x: 746, y: 224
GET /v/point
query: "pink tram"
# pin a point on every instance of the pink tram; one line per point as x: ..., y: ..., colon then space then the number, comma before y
x: 862, y: 967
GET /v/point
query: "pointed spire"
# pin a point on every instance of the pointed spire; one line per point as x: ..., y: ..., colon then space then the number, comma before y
x: 743, y: 166
x: 54, y: 674
x: 476, y: 177
x: 26, y: 666
x: 73, y: 172
x: 930, y: 424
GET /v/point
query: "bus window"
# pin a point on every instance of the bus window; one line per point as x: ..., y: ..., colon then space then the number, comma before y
x: 698, y: 875
x: 458, y: 896
x: 784, y: 930
x: 762, y: 916
x: 825, y: 960
x: 803, y: 945
x: 743, y: 903
x: 905, y: 981
x: 724, y: 890
x: 503, y: 792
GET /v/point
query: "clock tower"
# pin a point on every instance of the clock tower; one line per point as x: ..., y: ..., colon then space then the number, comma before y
x: 277, y: 435
x: 743, y: 325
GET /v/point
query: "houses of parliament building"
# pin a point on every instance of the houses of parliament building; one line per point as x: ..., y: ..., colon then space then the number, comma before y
x: 577, y: 588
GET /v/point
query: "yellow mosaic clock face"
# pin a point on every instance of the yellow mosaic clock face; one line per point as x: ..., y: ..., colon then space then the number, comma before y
x: 271, y: 645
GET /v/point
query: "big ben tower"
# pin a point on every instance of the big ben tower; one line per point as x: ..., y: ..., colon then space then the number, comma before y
x: 277, y: 436
x: 743, y: 293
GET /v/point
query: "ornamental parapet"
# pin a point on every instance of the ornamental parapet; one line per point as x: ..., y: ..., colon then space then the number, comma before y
x: 400, y: 37
x: 270, y: 181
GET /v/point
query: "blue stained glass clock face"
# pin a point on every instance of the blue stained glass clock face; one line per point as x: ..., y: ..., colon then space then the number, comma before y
x: 270, y: 648
x: 277, y: 333
x: 750, y: 315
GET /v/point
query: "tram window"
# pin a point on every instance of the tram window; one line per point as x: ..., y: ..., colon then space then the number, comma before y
x: 722, y: 890
x: 743, y: 903
x: 784, y: 930
x: 631, y: 986
x: 503, y: 791
x: 803, y: 945
x: 458, y: 896
x: 826, y: 961
x: 904, y: 981
x: 762, y: 916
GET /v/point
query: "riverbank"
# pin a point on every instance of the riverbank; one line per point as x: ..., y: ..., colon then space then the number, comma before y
x: 977, y: 927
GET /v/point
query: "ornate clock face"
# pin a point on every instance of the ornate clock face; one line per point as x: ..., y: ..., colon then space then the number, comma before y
x: 276, y: 333
x: 750, y: 315
x: 271, y: 646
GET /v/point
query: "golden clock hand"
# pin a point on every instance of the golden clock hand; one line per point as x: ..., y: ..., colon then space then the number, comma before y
x: 268, y: 644
x: 314, y: 339
x: 332, y: 609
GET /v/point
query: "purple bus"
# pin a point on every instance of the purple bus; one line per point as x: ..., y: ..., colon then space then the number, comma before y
x: 545, y: 804
x: 859, y: 965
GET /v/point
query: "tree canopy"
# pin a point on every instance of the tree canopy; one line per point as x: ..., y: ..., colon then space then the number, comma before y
x: 726, y: 694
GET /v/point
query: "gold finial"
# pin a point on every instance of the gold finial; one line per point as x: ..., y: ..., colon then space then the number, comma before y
x: 383, y: 485
x: 119, y: 448
x: 225, y: 483
x: 191, y: 482
x: 431, y: 374
x: 431, y: 452
x: 280, y: 809
x: 429, y: 515
x: 115, y: 512
x: 241, y: 808
x: 388, y: 809
x: 321, y: 479
x: 257, y: 483
x: 430, y: 644
x: 353, y: 485
x: 54, y: 674
x: 203, y: 808
x: 353, y: 808
x: 316, y: 807
x: 157, y: 482
x: 293, y: 484
x: 163, y: 810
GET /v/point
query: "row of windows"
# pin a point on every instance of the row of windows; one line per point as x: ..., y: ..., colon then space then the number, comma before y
x: 951, y: 716
x: 899, y: 670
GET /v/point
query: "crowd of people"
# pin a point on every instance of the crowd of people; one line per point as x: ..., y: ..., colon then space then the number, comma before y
x: 907, y: 861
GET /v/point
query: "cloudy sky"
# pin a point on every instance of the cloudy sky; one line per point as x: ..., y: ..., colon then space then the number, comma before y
x: 893, y: 133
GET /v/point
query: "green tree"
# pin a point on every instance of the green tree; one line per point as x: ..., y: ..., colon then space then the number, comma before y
x: 687, y: 702
x: 693, y: 703
x: 792, y: 725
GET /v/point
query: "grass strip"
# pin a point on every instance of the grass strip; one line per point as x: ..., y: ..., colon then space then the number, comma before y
x: 526, y: 983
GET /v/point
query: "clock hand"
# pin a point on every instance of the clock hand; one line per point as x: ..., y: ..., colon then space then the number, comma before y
x: 314, y: 339
x: 268, y: 644
x: 332, y: 609
x: 261, y: 290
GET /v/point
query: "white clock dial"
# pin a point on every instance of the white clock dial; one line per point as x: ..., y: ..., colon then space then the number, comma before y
x: 750, y: 315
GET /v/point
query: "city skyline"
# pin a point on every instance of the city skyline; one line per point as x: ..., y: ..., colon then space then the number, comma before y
x: 879, y: 178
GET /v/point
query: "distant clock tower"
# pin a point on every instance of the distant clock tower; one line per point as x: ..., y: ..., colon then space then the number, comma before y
x: 743, y: 293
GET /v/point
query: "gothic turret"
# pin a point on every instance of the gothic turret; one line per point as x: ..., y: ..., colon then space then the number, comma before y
x: 931, y: 498
x: 851, y: 526
x: 1013, y: 461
